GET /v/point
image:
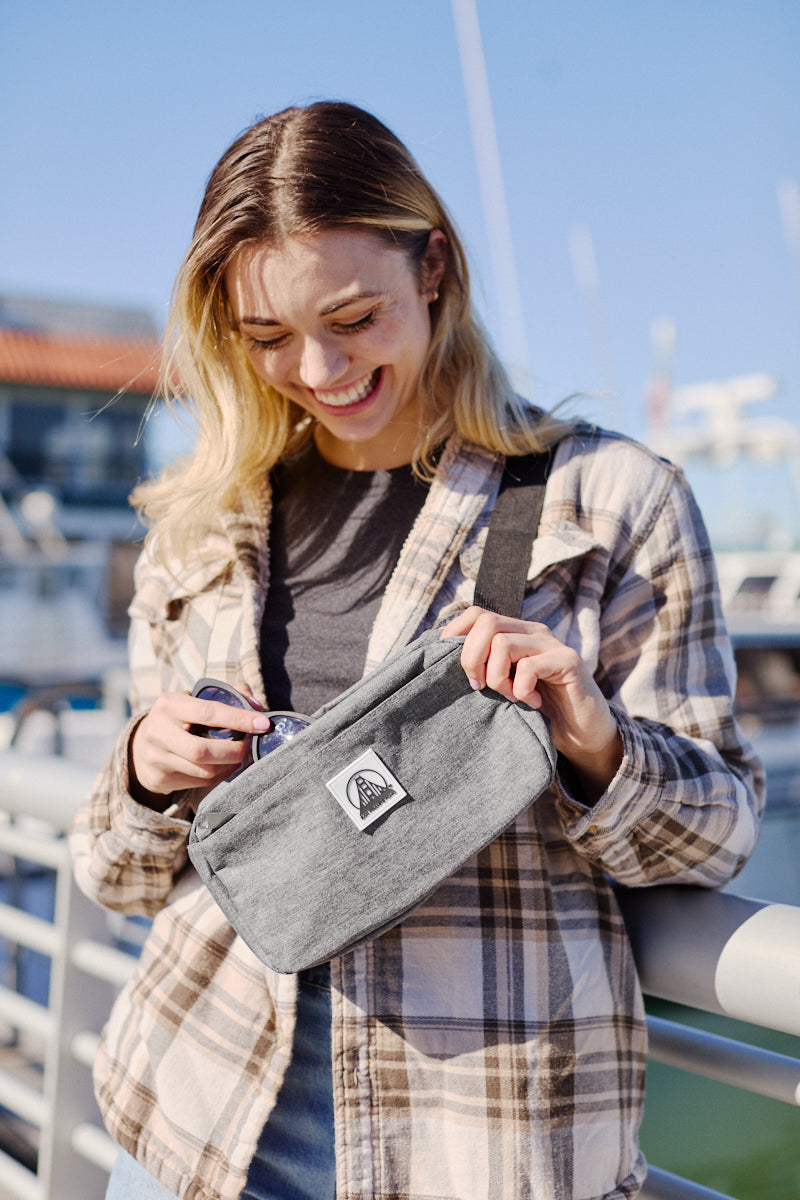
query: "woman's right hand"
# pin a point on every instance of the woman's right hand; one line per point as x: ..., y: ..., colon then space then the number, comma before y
x: 165, y: 757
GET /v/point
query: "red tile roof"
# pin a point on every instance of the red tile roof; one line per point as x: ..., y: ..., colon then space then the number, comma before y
x: 99, y: 363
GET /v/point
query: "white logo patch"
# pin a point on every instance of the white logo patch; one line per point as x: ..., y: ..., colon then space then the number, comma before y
x: 366, y: 789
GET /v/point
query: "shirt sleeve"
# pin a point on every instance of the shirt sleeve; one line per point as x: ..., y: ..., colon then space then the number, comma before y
x: 126, y: 856
x: 686, y: 802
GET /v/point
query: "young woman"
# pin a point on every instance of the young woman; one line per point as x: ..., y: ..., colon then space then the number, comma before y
x: 352, y: 429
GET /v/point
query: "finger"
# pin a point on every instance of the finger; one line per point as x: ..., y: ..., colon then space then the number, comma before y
x: 519, y: 660
x: 213, y: 714
x: 489, y: 639
x: 175, y: 776
x: 526, y: 679
x: 166, y: 756
x: 554, y: 663
x: 480, y: 627
x: 207, y: 753
x: 503, y: 654
x: 462, y: 622
x: 166, y: 771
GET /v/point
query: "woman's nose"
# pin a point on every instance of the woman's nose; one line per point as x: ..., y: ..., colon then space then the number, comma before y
x: 322, y: 362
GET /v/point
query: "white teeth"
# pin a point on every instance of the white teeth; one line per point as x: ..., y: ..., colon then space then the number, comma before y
x: 351, y: 395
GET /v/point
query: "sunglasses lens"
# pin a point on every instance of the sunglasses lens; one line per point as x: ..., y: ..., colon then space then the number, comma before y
x: 285, y: 726
x: 220, y: 695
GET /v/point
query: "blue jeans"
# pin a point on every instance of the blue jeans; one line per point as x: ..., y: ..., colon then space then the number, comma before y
x: 294, y: 1159
x: 129, y: 1181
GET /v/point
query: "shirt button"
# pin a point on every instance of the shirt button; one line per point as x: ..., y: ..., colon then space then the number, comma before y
x: 593, y: 829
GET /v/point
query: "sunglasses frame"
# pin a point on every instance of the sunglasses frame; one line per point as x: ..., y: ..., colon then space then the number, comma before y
x: 245, y: 703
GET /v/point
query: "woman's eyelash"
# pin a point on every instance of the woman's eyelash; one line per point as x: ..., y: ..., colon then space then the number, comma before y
x: 259, y: 344
x: 361, y: 323
x: 276, y: 343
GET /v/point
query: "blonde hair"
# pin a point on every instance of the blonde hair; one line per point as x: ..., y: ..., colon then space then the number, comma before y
x: 326, y: 166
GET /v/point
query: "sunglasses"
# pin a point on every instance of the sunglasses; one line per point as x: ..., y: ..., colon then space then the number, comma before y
x: 283, y: 725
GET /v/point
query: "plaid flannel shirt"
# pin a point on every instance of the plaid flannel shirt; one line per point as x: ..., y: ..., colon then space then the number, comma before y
x: 492, y: 1047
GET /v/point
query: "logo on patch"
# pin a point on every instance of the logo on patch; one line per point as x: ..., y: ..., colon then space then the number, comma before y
x: 366, y: 789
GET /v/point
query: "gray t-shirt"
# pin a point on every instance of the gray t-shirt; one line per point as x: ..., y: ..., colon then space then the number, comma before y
x: 335, y: 538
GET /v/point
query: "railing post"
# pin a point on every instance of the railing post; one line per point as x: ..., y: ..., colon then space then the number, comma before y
x: 50, y: 790
x: 77, y: 1003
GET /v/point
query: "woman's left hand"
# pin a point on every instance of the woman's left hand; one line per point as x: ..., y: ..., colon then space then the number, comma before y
x: 525, y: 661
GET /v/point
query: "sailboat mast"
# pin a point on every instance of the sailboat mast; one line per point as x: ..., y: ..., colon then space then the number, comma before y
x: 493, y: 196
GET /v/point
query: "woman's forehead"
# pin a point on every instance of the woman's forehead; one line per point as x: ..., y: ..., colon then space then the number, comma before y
x: 319, y: 266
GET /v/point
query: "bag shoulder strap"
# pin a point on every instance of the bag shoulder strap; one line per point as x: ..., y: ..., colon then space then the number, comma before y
x: 503, y: 572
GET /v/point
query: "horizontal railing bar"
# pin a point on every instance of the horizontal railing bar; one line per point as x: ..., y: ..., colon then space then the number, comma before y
x: 661, y: 1185
x: 18, y: 1181
x: 725, y: 1060
x: 84, y: 1047
x: 717, y: 951
x: 22, y: 1099
x: 129, y: 930
x: 27, y: 930
x: 24, y: 1014
x: 95, y: 1145
x: 50, y: 852
x: 43, y: 786
x: 103, y: 962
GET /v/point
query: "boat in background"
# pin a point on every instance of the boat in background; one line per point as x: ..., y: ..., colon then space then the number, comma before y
x: 763, y: 612
x: 706, y: 428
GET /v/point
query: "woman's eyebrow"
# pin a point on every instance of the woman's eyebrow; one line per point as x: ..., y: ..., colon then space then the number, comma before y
x: 337, y: 304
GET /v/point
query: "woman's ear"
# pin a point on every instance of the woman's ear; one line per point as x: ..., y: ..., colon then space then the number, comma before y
x: 434, y: 261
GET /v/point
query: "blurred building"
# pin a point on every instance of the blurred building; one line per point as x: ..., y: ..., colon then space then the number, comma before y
x: 75, y: 380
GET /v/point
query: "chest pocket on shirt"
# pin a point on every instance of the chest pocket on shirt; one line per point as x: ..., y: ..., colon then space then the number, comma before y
x: 191, y: 634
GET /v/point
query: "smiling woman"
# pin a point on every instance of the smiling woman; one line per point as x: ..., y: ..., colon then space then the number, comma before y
x: 332, y: 171
x: 354, y: 428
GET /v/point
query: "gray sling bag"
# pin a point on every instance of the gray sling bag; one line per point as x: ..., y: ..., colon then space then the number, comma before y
x: 338, y: 835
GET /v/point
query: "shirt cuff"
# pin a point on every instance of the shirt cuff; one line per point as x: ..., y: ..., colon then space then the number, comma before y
x: 629, y: 796
x: 139, y: 821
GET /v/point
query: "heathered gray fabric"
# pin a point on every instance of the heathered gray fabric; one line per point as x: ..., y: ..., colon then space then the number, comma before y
x: 292, y: 873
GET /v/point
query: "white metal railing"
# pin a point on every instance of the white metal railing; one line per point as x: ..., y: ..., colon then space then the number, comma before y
x: 725, y: 954
x: 38, y: 796
x: 710, y: 950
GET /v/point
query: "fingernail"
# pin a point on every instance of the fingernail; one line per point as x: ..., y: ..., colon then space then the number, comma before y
x: 475, y: 685
x: 261, y: 724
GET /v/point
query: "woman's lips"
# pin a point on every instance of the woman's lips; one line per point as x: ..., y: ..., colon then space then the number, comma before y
x: 353, y: 395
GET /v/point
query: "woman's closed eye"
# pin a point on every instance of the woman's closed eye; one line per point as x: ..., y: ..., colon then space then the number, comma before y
x: 356, y: 326
x: 345, y: 327
x: 254, y: 343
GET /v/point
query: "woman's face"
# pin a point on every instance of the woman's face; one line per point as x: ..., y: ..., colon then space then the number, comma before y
x: 338, y: 322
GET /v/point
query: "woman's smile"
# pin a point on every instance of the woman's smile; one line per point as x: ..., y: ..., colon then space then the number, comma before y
x: 354, y: 394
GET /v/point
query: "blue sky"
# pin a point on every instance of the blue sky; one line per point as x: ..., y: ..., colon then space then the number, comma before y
x: 664, y: 128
